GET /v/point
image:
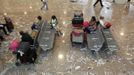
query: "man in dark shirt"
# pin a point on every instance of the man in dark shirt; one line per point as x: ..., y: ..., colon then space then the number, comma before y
x: 9, y: 24
x: 100, y: 3
x: 26, y: 37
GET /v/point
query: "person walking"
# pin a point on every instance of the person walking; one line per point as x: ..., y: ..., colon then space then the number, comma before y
x: 45, y: 4
x: 100, y: 3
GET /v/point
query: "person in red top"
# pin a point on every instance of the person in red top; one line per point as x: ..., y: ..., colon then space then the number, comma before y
x: 92, y: 22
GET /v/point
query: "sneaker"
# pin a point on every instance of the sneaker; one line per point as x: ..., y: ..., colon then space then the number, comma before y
x: 102, y: 6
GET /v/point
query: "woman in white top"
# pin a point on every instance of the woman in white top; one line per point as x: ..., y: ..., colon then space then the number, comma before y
x: 54, y: 22
x: 54, y: 25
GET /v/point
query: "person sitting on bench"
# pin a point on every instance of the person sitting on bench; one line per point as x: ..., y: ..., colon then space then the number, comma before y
x: 39, y: 23
x: 9, y: 24
x: 54, y: 22
x: 92, y: 25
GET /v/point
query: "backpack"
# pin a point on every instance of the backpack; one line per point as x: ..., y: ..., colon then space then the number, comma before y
x: 34, y: 26
x: 14, y: 45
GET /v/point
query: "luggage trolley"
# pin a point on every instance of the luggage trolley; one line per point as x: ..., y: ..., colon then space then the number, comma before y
x: 78, y: 36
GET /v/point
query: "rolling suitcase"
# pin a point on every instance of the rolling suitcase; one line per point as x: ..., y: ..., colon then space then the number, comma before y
x: 22, y: 52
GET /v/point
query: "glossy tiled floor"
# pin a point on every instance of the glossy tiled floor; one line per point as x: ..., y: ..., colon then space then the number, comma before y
x: 65, y: 59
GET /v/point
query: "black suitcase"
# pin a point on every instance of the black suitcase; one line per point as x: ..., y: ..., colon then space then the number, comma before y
x: 77, y: 20
x: 22, y: 52
x: 29, y: 54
